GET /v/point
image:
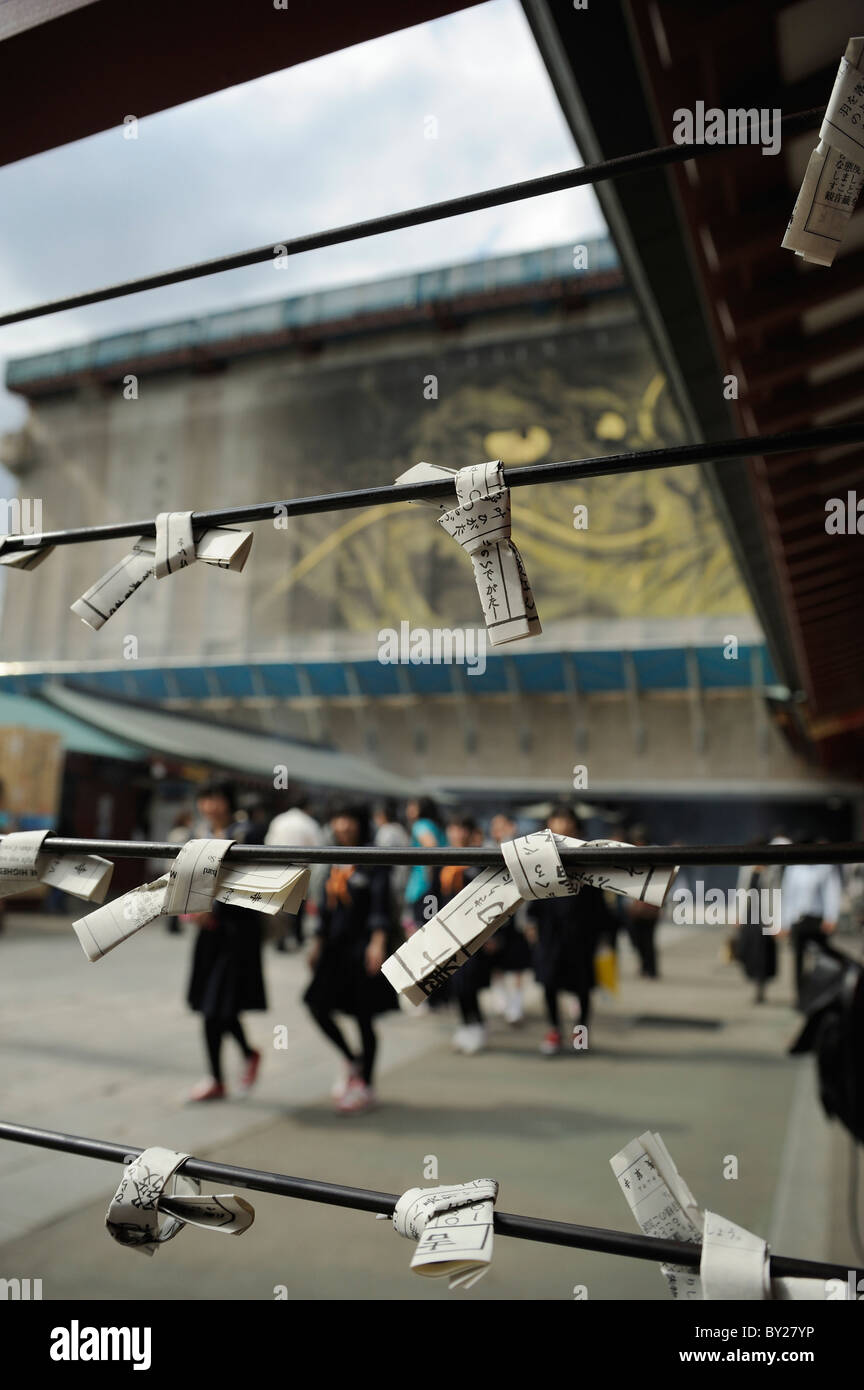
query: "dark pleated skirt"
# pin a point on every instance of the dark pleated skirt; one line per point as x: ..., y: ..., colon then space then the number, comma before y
x: 513, y: 951
x: 227, y: 978
x: 341, y: 983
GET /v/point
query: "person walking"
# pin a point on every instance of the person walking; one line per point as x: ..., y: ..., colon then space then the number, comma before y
x: 390, y: 833
x: 565, y: 933
x: 354, y: 925
x: 180, y: 832
x: 512, y: 952
x: 426, y: 832
x: 476, y: 973
x: 642, y: 922
x: 755, y: 948
x: 811, y: 897
x: 226, y: 978
x: 293, y: 827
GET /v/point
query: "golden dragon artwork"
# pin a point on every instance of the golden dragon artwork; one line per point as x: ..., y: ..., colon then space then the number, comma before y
x: 653, y: 545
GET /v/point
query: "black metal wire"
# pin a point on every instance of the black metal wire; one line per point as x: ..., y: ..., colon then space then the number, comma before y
x: 413, y: 217
x: 629, y: 857
x: 593, y: 1238
x: 527, y: 475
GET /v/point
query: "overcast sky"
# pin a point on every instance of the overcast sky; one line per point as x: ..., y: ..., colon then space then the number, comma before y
x: 335, y: 140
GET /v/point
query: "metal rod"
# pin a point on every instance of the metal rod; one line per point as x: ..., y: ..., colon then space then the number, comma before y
x: 633, y: 856
x: 623, y: 165
x: 526, y: 475
x: 594, y: 1238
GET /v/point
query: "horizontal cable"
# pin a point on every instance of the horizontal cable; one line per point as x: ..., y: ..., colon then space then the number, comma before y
x: 594, y: 1238
x: 638, y: 163
x: 634, y: 856
x: 527, y: 475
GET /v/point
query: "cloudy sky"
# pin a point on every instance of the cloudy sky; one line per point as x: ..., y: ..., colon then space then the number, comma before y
x: 331, y: 141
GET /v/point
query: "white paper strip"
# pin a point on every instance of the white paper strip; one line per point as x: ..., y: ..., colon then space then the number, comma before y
x: 535, y: 866
x: 99, y: 932
x: 481, y: 525
x: 662, y: 1204
x: 843, y: 125
x: 835, y: 172
x: 435, y: 952
x: 533, y: 869
x: 453, y: 1227
x: 22, y: 864
x: 175, y: 543
x: 734, y: 1262
x: 223, y: 547
x: 259, y: 888
x: 23, y: 559
x: 428, y: 473
x: 110, y: 592
x: 193, y: 875
x: 143, y: 1214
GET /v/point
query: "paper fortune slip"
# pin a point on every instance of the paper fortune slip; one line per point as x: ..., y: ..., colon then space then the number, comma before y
x: 173, y: 548
x: 154, y: 1202
x: 481, y: 525
x: 662, y: 1204
x: 835, y: 172
x: 24, y: 864
x: 734, y: 1263
x: 453, y: 1227
x: 23, y: 559
x: 533, y: 869
x: 197, y: 877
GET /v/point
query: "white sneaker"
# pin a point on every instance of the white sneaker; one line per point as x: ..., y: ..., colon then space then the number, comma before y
x: 357, y: 1098
x: 475, y: 1039
x: 460, y: 1039
x: 340, y: 1087
x: 514, y: 1009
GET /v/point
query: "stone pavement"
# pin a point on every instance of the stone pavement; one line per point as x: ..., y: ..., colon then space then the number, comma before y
x: 109, y: 1050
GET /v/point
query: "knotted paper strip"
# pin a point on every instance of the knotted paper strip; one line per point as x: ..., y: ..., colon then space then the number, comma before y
x: 453, y: 1227
x: 734, y: 1263
x: 23, y: 864
x: 175, y: 543
x: 23, y: 559
x: 154, y: 1202
x: 481, y: 525
x: 835, y: 173
x: 533, y: 869
x: 662, y: 1203
x: 222, y: 546
x: 195, y: 879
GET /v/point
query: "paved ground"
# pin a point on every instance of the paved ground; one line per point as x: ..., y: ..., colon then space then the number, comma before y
x: 109, y: 1051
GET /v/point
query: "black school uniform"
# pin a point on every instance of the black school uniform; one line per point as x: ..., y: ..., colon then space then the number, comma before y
x: 476, y: 973
x: 227, y: 978
x: 354, y: 904
x: 568, y: 930
x: 757, y: 951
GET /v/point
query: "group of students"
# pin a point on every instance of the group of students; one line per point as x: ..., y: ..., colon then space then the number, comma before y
x: 362, y: 912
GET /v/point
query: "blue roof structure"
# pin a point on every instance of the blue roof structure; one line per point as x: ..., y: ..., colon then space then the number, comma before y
x: 276, y: 318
